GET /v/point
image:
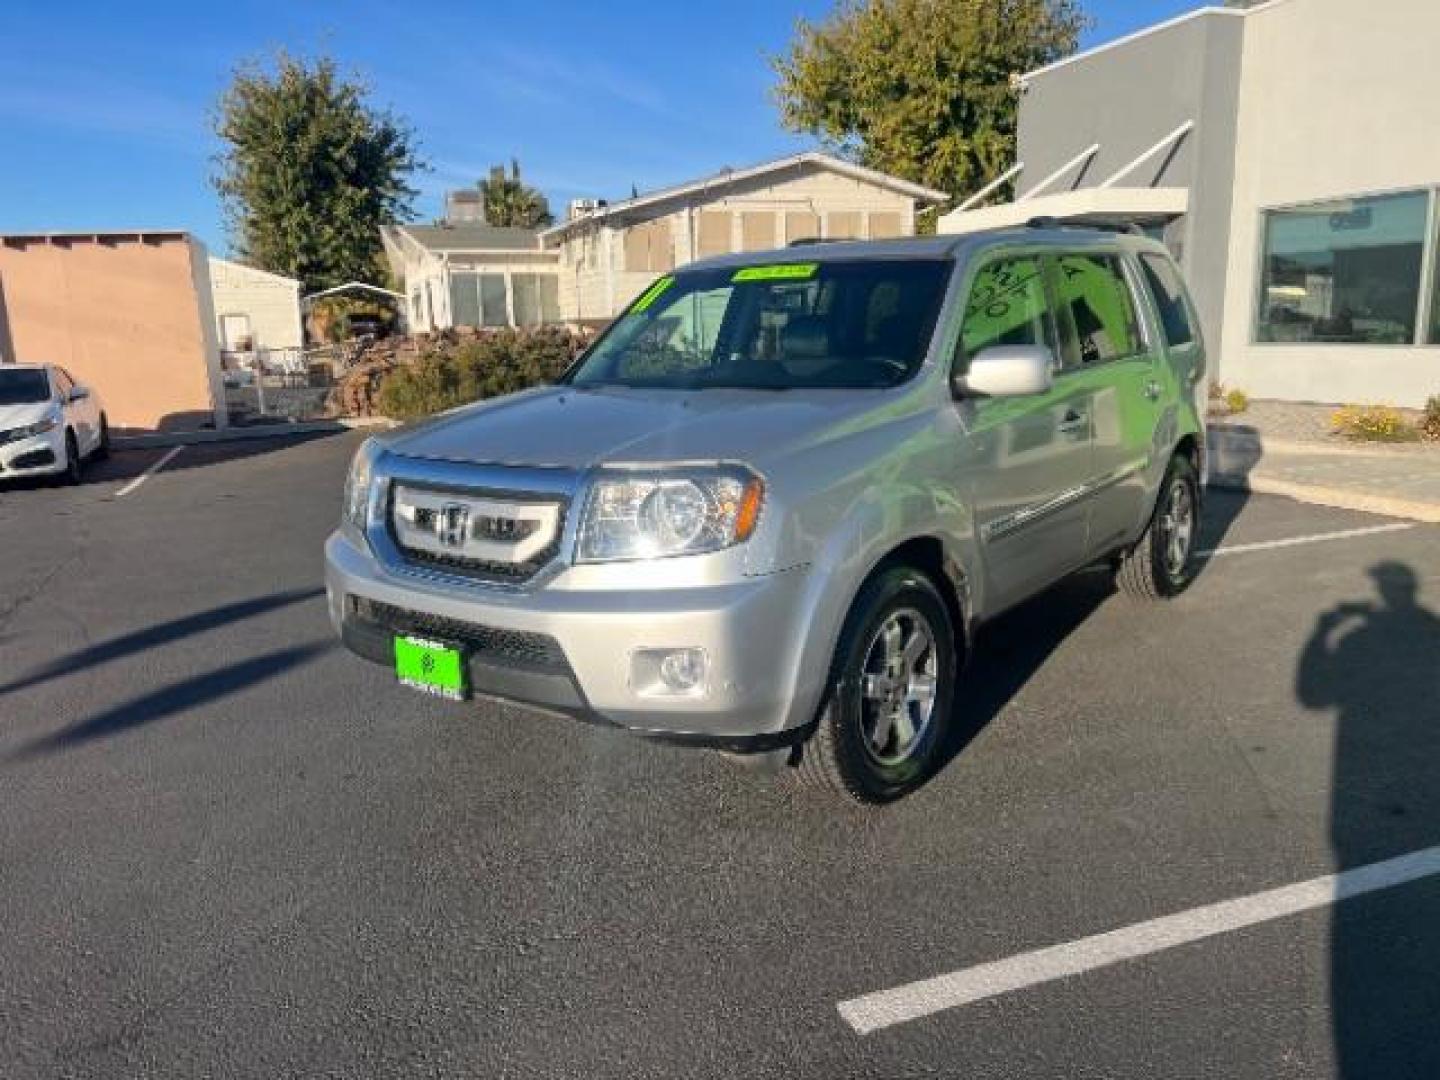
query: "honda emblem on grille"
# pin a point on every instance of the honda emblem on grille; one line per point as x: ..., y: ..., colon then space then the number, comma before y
x: 452, y: 524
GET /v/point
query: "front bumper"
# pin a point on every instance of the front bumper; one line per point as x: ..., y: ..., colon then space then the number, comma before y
x: 571, y: 650
x: 39, y: 455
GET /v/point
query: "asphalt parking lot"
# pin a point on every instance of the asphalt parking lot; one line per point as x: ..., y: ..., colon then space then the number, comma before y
x: 227, y: 848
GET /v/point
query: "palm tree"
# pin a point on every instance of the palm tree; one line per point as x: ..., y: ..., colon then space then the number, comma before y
x: 510, y: 202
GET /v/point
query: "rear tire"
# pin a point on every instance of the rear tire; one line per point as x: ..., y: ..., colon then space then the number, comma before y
x: 886, y: 711
x: 102, y: 448
x: 1162, y: 564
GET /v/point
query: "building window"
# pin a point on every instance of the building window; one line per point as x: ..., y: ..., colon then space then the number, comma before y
x: 1344, y: 271
x: 649, y: 248
x: 713, y: 232
x: 801, y: 225
x: 537, y: 299
x: 757, y: 230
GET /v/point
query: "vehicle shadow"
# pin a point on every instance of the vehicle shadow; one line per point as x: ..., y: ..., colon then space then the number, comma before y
x: 198, y: 690
x: 1008, y: 652
x: 151, y: 637
x: 1378, y: 666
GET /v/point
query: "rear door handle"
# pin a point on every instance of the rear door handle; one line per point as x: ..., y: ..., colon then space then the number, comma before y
x: 1071, y: 421
x: 1152, y: 389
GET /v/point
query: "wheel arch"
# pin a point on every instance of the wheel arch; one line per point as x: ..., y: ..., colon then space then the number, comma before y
x: 928, y: 555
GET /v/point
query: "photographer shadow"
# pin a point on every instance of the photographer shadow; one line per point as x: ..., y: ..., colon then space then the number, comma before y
x: 1378, y: 666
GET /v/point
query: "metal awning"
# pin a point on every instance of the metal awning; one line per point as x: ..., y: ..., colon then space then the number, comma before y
x: 1103, y: 206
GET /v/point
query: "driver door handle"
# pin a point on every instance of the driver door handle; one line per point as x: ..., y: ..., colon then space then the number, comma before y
x: 1071, y: 421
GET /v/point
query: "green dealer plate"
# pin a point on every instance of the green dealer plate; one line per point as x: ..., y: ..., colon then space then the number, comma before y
x: 430, y: 667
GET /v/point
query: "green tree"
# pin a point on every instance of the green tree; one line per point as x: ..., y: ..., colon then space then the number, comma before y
x: 921, y: 89
x: 310, y: 171
x: 510, y: 202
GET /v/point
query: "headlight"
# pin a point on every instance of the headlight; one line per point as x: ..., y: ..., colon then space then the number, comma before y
x: 682, y: 511
x: 357, y: 487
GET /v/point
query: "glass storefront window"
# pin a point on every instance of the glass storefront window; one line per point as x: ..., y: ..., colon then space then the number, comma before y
x: 1344, y: 271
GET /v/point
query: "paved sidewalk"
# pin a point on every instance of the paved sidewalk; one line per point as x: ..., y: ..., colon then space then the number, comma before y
x: 1402, y: 481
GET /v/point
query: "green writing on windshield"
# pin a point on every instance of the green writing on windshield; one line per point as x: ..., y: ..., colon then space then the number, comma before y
x: 778, y: 272
x: 650, y: 295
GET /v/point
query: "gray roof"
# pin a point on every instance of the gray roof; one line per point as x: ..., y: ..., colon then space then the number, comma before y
x: 473, y: 237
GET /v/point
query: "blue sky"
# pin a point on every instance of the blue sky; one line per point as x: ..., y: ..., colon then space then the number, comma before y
x: 112, y: 129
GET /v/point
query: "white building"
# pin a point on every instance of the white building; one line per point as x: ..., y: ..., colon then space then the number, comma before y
x: 1286, y: 151
x: 588, y: 267
x: 254, y: 310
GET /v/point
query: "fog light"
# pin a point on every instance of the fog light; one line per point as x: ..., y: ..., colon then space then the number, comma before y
x: 668, y: 672
x: 683, y: 669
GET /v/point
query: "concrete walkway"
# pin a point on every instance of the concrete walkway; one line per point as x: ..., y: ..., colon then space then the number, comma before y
x: 1402, y: 481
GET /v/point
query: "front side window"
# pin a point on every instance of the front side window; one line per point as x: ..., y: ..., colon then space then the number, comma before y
x: 1097, y: 309
x: 1345, y: 271
x: 1164, y: 283
x: 23, y: 386
x: 821, y: 324
x: 1007, y: 305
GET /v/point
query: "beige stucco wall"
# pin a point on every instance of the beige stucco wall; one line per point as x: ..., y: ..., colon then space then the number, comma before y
x: 271, y: 303
x: 600, y: 285
x: 122, y: 314
x: 1337, y: 99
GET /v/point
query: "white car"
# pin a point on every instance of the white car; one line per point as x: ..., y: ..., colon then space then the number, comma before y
x: 50, y: 425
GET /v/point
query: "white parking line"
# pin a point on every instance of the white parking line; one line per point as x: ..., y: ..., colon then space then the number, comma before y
x: 1295, y: 541
x: 151, y: 471
x: 886, y: 1008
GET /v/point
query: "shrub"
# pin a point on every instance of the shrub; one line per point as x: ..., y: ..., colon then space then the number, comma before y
x: 1237, y: 400
x: 1430, y: 422
x: 1373, y: 423
x: 494, y: 363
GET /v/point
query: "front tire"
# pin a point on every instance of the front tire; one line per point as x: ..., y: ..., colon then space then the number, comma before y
x: 886, y: 711
x: 1162, y: 564
x: 73, y: 465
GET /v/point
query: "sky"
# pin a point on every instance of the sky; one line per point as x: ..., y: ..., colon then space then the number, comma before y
x: 112, y: 130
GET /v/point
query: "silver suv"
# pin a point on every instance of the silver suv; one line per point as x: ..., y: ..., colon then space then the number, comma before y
x: 768, y: 509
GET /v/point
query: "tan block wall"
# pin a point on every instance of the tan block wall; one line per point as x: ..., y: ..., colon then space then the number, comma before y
x: 122, y: 315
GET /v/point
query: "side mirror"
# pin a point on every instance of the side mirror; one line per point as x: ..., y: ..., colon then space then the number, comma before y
x: 1007, y: 371
x: 78, y: 393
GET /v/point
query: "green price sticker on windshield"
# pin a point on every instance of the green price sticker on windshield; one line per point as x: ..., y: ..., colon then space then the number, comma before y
x: 650, y: 295
x: 778, y: 272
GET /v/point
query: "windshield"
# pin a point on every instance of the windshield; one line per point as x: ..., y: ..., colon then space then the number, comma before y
x: 23, y: 386
x: 817, y: 324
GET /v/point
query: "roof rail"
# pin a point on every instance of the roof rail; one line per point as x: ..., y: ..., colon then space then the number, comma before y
x: 1045, y: 221
x: 806, y: 241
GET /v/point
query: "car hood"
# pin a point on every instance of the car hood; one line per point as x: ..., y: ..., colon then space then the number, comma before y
x: 568, y: 428
x: 15, y: 416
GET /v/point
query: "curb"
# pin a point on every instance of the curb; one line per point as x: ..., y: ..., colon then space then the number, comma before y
x: 1340, y: 498
x: 259, y: 431
x: 1295, y: 446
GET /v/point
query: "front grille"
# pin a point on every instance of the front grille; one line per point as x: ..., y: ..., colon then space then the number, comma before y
x: 490, y: 644
x: 417, y: 546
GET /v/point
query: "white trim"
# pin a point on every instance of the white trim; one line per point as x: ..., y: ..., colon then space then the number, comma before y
x: 808, y: 157
x: 1169, y: 140
x: 1160, y: 27
x: 1084, y: 155
x: 1198, y: 13
x: 1082, y: 205
x: 256, y: 270
x: 991, y: 187
x: 354, y: 285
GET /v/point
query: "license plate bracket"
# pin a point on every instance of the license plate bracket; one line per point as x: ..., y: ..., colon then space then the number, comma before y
x: 432, y: 667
